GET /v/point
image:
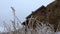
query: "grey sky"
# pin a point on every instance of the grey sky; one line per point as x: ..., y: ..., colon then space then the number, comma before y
x: 23, y: 8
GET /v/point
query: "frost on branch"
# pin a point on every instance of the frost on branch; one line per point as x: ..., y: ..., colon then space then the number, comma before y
x: 34, y: 26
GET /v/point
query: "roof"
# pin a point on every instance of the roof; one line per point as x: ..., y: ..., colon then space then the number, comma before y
x: 42, y: 7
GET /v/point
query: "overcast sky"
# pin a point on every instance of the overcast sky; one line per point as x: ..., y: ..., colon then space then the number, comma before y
x: 23, y: 9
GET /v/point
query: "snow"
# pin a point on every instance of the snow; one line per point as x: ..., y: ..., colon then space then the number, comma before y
x: 57, y: 32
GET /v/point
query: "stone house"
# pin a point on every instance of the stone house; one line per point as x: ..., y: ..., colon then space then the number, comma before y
x: 49, y: 14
